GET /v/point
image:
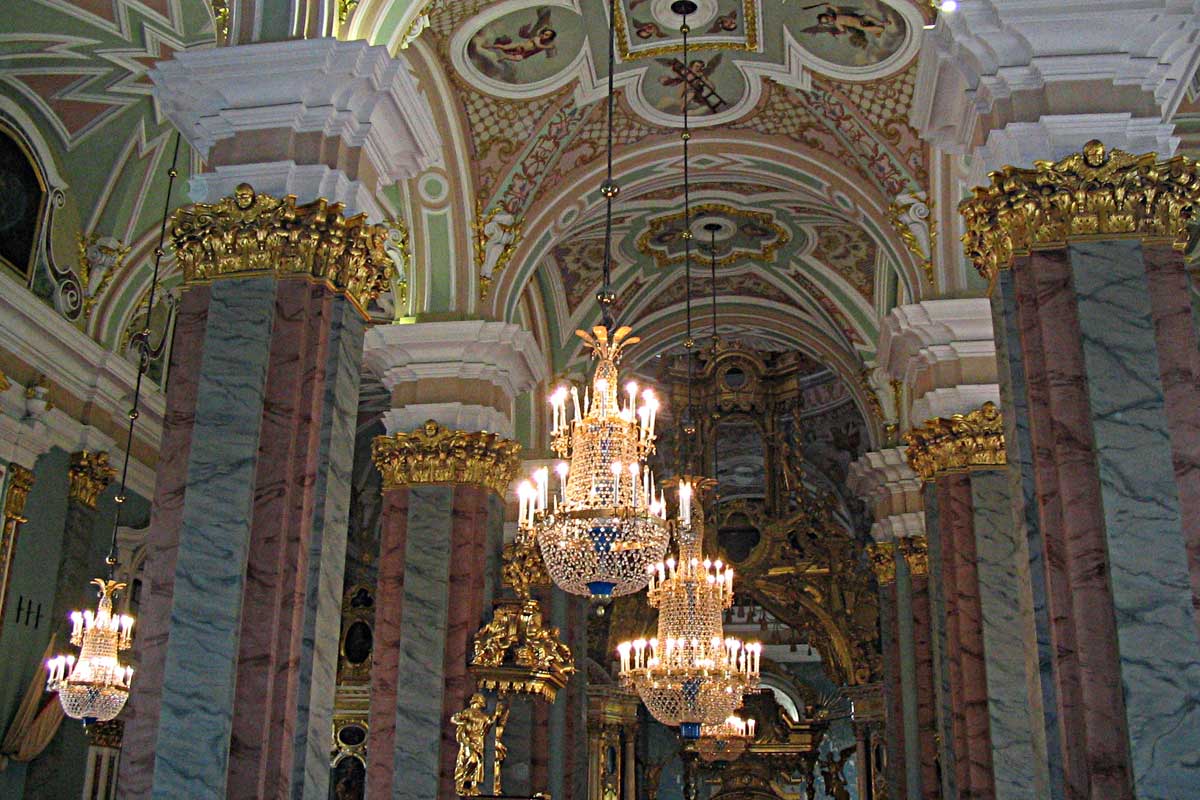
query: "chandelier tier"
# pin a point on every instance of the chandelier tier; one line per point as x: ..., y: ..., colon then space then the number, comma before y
x: 95, y: 686
x: 690, y: 674
x: 727, y: 741
x: 608, y: 521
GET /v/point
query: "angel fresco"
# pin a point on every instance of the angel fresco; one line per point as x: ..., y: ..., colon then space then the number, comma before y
x: 536, y: 38
x: 855, y: 33
x: 648, y: 30
x: 695, y: 82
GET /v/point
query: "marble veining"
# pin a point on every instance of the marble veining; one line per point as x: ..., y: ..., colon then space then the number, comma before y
x: 1179, y: 363
x: 558, y: 711
x: 143, y: 710
x: 327, y: 550
x: 198, y: 679
x: 420, y: 677
x: 1157, y: 638
x: 1038, y: 647
x: 1004, y: 633
x: 937, y: 671
x: 385, y: 662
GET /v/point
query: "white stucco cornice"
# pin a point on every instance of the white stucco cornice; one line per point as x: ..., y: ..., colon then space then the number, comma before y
x: 500, y: 353
x: 350, y: 90
x: 98, y: 381
x: 944, y: 351
x: 1052, y: 65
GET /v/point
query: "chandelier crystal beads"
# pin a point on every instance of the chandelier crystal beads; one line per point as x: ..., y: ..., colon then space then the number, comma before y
x: 727, y: 741
x: 95, y: 686
x: 690, y: 674
x: 608, y: 522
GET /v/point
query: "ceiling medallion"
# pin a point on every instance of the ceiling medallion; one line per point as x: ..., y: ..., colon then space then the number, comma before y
x: 752, y: 235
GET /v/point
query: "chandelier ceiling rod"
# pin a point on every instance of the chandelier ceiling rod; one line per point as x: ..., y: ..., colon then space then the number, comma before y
x: 606, y: 296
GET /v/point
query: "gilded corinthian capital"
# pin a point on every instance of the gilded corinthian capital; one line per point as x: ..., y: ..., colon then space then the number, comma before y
x: 90, y: 474
x: 256, y: 234
x: 1095, y: 194
x: 961, y: 442
x: 433, y: 454
x: 915, y: 550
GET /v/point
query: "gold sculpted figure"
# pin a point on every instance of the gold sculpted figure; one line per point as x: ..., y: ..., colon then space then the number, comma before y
x: 471, y: 729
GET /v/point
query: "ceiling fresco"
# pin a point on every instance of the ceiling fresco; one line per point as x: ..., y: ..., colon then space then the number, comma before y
x: 826, y: 87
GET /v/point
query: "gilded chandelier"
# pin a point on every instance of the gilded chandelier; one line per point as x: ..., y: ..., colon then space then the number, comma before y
x: 95, y: 686
x: 608, y: 523
x: 690, y: 674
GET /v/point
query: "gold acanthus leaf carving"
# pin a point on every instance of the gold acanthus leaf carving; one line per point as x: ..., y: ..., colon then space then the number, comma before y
x: 915, y: 550
x: 883, y: 561
x: 90, y: 474
x: 433, y: 454
x: 1094, y: 194
x: 961, y: 442
x: 256, y: 234
x: 523, y: 567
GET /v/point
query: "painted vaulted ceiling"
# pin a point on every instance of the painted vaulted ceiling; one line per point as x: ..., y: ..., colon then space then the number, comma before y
x: 801, y: 155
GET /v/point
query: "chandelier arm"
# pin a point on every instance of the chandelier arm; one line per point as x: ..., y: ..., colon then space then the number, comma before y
x: 143, y: 344
x: 610, y: 189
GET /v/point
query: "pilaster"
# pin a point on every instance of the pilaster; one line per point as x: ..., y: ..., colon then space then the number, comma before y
x: 20, y: 481
x: 312, y: 117
x: 1099, y: 353
x: 238, y: 648
x: 443, y: 517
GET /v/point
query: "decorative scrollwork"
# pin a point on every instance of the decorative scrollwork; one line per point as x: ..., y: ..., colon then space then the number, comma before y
x: 1096, y: 193
x: 90, y: 474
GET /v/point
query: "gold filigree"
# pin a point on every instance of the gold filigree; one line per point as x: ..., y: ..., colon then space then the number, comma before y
x: 433, y: 454
x: 508, y: 236
x: 116, y: 252
x: 106, y: 734
x: 399, y: 249
x: 523, y: 567
x: 964, y: 441
x: 1095, y: 194
x: 517, y: 652
x: 20, y: 482
x: 864, y: 380
x: 90, y: 474
x: 256, y: 234
x: 896, y: 212
x: 883, y: 561
x: 4, y: 383
x: 40, y: 390
x: 915, y: 550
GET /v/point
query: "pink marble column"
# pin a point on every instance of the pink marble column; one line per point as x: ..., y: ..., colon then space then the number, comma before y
x: 950, y: 518
x: 893, y: 698
x: 931, y: 788
x: 1087, y: 668
x: 270, y: 640
x: 1179, y: 368
x: 964, y: 637
x: 385, y: 663
x: 141, y: 715
x: 468, y: 562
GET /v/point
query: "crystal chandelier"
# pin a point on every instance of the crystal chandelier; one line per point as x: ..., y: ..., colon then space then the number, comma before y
x: 727, y: 741
x: 94, y: 686
x: 690, y: 674
x: 608, y: 522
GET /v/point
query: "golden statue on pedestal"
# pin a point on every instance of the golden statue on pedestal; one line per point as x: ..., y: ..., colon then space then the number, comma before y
x: 472, y: 726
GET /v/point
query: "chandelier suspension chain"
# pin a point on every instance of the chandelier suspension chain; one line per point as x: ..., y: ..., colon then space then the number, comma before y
x: 712, y: 252
x: 689, y: 343
x: 142, y: 339
x: 609, y: 189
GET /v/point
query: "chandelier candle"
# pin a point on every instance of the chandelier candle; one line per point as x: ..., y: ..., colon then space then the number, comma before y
x: 606, y: 525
